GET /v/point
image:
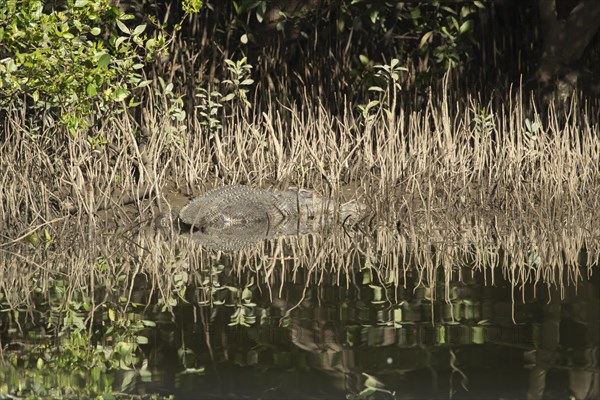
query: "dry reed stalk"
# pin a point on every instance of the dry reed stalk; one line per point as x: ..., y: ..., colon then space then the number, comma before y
x: 496, y: 195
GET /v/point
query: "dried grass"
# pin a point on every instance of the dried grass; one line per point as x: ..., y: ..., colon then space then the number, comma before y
x: 444, y: 189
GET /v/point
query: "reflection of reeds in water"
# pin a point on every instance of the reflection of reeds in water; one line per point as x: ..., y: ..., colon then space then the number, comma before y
x: 446, y: 185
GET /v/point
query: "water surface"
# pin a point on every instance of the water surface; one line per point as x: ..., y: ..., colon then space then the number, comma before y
x: 443, y: 305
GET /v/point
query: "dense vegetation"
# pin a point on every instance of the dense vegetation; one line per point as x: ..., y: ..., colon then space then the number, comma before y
x: 73, y: 64
x: 111, y: 110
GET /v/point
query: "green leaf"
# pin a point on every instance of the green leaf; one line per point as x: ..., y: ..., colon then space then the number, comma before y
x: 104, y: 60
x: 120, y: 40
x: 120, y: 94
x: 466, y: 26
x: 247, y: 294
x: 192, y: 6
x: 244, y: 39
x: 95, y: 31
x: 366, y: 393
x: 398, y: 315
x: 447, y: 33
x: 128, y: 381
x: 141, y: 340
x: 91, y: 89
x: 39, y: 8
x: 425, y: 39
x: 374, y: 15
x: 363, y: 59
x: 455, y: 22
x: 145, y: 375
x: 144, y: 83
x: 229, y: 97
x: 11, y: 66
x: 151, y: 44
x: 123, y: 27
x: 32, y: 238
x: 372, y: 382
x: 80, y: 3
x: 139, y: 29
x: 372, y: 104
x: 478, y: 335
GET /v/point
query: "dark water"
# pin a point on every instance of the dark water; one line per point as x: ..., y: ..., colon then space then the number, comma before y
x: 317, y: 339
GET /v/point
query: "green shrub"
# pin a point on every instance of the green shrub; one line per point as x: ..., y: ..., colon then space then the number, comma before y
x: 69, y: 61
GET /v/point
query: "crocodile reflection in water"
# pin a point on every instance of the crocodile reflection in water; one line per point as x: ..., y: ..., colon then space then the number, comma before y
x: 235, y: 217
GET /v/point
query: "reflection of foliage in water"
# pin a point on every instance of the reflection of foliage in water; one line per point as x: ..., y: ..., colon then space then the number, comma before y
x: 74, y: 341
x: 392, y: 323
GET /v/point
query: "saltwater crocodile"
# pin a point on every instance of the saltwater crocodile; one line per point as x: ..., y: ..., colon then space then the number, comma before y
x: 237, y: 216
